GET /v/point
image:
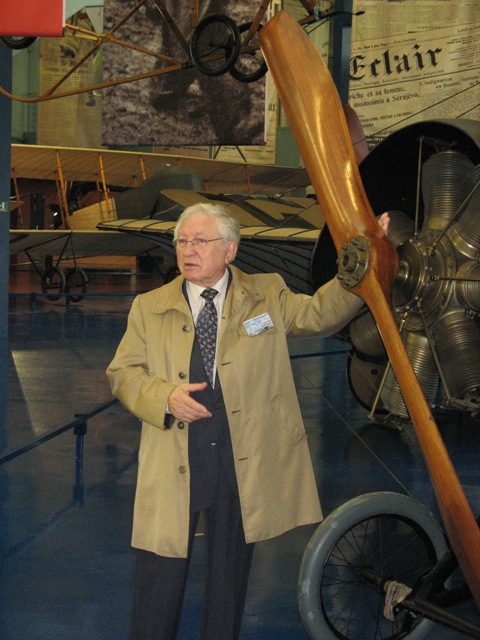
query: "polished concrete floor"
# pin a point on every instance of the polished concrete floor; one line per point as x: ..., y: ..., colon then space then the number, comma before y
x: 65, y: 512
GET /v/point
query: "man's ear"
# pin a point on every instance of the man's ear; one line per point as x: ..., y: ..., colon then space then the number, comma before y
x: 231, y: 252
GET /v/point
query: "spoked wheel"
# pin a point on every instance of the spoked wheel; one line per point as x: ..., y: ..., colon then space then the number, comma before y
x: 53, y: 283
x: 77, y: 283
x: 17, y: 42
x: 354, y: 553
x: 249, y: 65
x: 215, y: 44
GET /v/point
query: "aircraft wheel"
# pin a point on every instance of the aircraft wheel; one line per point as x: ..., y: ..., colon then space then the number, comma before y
x: 249, y: 66
x: 77, y: 283
x: 215, y: 44
x: 368, y: 540
x: 17, y: 42
x: 53, y: 283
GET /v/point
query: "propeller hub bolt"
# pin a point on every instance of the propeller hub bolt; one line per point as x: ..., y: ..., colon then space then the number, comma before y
x: 354, y: 261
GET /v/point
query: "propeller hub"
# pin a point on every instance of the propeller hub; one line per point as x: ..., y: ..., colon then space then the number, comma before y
x: 353, y: 262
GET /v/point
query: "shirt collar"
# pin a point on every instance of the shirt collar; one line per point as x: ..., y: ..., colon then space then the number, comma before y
x: 221, y: 286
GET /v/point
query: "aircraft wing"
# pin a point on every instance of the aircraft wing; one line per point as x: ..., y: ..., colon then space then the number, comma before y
x: 277, y: 234
x: 287, y: 251
x: 84, y: 244
x: 250, y: 210
x: 263, y: 249
x: 130, y: 168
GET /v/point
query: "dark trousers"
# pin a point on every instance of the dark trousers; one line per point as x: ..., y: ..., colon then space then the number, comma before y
x: 160, y: 582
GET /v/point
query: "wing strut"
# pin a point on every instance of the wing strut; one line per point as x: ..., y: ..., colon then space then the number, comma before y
x: 368, y: 261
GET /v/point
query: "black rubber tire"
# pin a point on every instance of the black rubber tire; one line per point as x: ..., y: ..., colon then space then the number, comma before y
x: 387, y: 533
x: 215, y: 33
x: 249, y: 67
x: 53, y: 279
x: 77, y: 281
x: 17, y: 42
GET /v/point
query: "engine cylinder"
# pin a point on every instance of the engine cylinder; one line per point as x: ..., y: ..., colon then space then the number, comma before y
x: 423, y: 363
x: 401, y: 227
x: 468, y: 291
x: 365, y: 336
x: 468, y: 226
x: 457, y: 339
x: 446, y: 178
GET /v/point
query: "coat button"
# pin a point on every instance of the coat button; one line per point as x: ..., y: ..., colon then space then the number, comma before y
x: 182, y: 375
x: 182, y: 469
x: 186, y: 328
x: 181, y: 425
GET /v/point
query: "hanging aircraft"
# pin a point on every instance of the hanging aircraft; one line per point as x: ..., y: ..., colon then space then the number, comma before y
x: 198, y: 35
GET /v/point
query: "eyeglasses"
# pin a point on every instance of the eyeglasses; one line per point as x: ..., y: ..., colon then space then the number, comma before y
x: 197, y: 243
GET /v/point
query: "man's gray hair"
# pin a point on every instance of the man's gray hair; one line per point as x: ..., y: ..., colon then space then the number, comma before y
x: 228, y: 226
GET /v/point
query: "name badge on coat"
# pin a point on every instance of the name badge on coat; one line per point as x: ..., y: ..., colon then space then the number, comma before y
x: 259, y: 324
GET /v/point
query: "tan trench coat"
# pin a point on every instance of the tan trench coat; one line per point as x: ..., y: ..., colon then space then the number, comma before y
x: 275, y: 477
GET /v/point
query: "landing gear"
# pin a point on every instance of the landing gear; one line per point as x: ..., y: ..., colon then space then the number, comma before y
x: 215, y: 45
x: 56, y: 283
x: 364, y: 557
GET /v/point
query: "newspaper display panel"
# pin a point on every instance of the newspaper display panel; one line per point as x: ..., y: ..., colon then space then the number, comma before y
x: 407, y: 66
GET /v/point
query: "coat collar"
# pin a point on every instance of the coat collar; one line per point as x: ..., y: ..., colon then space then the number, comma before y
x: 242, y: 287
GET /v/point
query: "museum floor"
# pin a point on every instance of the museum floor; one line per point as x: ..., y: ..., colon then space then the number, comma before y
x: 65, y: 514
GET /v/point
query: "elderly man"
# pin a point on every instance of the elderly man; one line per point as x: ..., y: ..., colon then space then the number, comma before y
x: 222, y: 431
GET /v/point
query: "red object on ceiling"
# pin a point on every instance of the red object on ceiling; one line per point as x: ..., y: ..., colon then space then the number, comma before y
x: 32, y: 17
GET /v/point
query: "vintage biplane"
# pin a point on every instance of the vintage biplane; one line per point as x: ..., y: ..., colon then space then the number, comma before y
x: 278, y: 231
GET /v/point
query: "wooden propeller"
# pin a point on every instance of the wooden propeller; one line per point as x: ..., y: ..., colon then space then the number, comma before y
x: 368, y: 262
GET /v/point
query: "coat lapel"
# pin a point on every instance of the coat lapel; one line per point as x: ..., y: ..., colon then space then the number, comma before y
x: 240, y: 292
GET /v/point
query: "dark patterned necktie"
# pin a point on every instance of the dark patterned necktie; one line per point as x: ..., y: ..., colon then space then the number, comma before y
x: 206, y: 329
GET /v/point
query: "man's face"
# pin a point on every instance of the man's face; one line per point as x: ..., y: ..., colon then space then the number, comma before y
x: 203, y: 265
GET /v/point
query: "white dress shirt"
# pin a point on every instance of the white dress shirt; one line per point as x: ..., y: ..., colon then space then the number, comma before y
x: 197, y: 303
